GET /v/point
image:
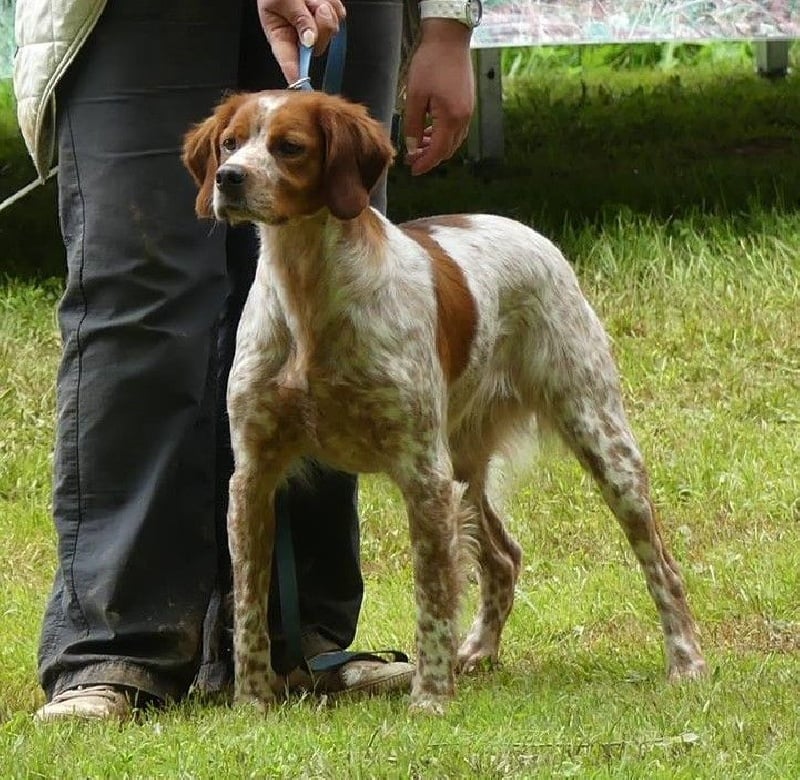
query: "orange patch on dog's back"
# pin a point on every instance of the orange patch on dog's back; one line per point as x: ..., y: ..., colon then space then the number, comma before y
x: 456, y: 312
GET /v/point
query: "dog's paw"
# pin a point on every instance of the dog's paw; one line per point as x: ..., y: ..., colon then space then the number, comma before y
x: 474, y: 658
x: 689, y: 669
x: 480, y: 664
x: 260, y: 702
x: 426, y: 704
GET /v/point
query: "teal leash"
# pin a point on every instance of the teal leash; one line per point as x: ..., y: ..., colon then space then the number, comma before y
x: 284, y: 545
x: 285, y: 560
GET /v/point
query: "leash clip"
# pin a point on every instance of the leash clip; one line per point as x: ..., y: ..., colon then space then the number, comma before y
x: 304, y: 82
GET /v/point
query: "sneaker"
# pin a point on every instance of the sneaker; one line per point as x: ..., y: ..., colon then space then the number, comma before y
x: 368, y: 678
x: 358, y: 674
x: 88, y: 702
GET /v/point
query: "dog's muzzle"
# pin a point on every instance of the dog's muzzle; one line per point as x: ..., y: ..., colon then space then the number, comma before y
x: 232, y: 205
x: 230, y: 200
x: 230, y: 181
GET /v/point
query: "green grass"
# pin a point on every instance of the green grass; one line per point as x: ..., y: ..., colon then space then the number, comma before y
x: 697, y: 277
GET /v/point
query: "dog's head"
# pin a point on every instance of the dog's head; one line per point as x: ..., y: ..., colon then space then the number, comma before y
x: 271, y: 156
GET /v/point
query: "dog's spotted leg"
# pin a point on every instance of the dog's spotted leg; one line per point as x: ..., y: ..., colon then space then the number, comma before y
x: 596, y: 429
x: 433, y: 502
x: 499, y: 559
x: 251, y: 536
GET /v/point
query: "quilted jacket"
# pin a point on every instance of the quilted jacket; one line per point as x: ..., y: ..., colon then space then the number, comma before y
x: 49, y: 34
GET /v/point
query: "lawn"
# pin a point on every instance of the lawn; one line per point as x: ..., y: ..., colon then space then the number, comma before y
x: 674, y: 193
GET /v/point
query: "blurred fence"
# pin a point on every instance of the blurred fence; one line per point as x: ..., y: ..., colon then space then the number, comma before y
x: 770, y: 24
x: 532, y: 22
x: 6, y: 37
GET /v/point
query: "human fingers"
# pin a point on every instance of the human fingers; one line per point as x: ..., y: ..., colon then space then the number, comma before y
x: 414, y: 121
x: 428, y: 145
x: 284, y: 23
x: 337, y: 6
x: 327, y: 19
x: 439, y: 84
x: 442, y: 143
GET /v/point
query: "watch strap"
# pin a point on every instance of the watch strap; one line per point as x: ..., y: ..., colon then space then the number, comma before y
x: 444, y: 9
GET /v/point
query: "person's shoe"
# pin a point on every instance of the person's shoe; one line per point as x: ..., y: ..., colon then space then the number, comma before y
x: 359, y: 674
x: 367, y: 678
x: 88, y: 702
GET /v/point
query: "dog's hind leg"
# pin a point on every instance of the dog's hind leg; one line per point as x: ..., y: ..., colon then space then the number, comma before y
x: 593, y: 425
x: 499, y: 560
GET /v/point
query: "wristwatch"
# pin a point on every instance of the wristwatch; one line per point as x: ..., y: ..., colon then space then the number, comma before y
x: 468, y: 12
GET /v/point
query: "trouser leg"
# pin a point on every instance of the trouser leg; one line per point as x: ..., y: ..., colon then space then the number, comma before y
x: 373, y: 63
x: 134, y: 458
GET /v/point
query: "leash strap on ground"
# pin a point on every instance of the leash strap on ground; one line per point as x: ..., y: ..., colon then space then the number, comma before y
x: 324, y: 662
x: 284, y: 546
x: 287, y: 579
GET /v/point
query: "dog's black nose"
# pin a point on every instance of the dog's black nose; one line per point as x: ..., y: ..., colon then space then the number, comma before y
x: 230, y: 178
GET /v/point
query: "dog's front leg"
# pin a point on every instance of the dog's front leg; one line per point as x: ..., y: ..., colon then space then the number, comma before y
x: 433, y: 501
x: 251, y: 536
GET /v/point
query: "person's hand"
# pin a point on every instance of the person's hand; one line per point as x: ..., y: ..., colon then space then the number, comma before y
x: 441, y: 85
x: 285, y: 22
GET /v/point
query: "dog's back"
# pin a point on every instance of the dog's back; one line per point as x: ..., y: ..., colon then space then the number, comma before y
x: 535, y: 335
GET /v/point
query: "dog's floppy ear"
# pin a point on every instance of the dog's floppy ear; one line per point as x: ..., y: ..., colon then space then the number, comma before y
x: 357, y: 152
x: 201, y: 152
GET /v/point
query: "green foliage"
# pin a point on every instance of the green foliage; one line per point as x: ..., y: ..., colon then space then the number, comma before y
x: 529, y: 61
x: 666, y: 56
x: 30, y: 243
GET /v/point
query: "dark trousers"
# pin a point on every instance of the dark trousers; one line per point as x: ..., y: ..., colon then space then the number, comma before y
x: 148, y: 320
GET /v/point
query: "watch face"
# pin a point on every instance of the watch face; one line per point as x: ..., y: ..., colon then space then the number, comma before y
x: 474, y: 12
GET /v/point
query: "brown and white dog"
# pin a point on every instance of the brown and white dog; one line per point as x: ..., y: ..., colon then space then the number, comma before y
x: 416, y: 350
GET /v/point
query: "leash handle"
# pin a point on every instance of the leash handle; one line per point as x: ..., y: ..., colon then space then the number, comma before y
x: 334, y: 67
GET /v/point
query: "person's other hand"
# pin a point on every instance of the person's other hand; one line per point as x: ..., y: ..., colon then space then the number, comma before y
x: 441, y: 85
x: 285, y: 22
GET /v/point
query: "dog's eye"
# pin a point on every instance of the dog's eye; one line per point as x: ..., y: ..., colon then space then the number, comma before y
x: 287, y: 148
x: 229, y: 144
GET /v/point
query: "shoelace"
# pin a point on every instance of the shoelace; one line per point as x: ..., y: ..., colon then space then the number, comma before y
x: 107, y: 692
